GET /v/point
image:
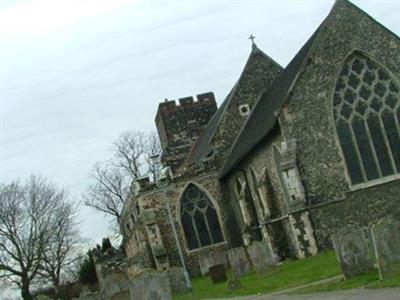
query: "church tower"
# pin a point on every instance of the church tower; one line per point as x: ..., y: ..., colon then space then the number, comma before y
x: 180, y: 124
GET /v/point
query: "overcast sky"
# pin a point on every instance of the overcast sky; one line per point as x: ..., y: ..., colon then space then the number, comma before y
x: 75, y: 74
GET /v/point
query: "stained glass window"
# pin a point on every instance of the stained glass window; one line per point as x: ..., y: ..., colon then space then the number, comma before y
x: 199, y: 219
x: 366, y: 111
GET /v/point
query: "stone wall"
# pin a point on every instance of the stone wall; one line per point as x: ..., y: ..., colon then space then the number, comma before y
x: 258, y: 75
x: 307, y: 117
x: 179, y: 125
x: 154, y: 200
x: 271, y: 221
x: 330, y: 201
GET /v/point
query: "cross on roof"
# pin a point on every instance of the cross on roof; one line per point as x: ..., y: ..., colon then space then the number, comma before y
x: 252, y: 37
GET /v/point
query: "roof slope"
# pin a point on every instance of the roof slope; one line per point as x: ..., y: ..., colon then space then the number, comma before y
x: 265, y: 113
x: 205, y: 144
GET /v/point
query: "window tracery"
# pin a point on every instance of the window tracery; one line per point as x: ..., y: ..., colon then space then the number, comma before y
x: 199, y: 219
x: 366, y: 111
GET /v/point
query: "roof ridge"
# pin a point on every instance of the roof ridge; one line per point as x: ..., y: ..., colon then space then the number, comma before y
x: 354, y: 6
x: 276, y: 88
x: 255, y: 50
x: 307, y: 47
x: 210, y: 133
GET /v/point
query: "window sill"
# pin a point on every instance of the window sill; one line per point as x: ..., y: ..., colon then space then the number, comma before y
x: 206, y: 247
x: 373, y: 183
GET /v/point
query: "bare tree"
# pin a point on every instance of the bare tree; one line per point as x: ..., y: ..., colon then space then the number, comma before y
x: 153, y: 150
x: 111, y: 180
x: 61, y: 251
x: 129, y: 149
x: 108, y: 191
x: 27, y: 218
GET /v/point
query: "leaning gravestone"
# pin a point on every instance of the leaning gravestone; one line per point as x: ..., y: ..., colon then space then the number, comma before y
x: 386, y: 238
x: 204, y: 262
x: 177, y: 280
x: 238, y: 260
x: 260, y: 257
x: 352, y: 252
x: 218, y: 274
x: 150, y: 286
x: 218, y: 257
x: 211, y: 259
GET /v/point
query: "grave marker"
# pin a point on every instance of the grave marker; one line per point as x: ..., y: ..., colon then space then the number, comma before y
x: 352, y: 252
x: 238, y: 261
x: 150, y: 286
x: 386, y: 239
x: 261, y: 258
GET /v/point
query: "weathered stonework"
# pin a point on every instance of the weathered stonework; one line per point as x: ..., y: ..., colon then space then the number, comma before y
x: 276, y: 175
x: 328, y: 199
x: 179, y: 125
x: 154, y: 200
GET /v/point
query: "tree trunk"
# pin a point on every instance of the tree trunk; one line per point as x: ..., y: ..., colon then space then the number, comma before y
x: 56, y: 292
x: 26, y: 295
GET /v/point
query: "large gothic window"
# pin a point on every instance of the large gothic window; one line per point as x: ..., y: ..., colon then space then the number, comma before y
x: 199, y: 219
x: 366, y: 110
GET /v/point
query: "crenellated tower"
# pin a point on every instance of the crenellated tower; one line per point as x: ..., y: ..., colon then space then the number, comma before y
x: 180, y: 124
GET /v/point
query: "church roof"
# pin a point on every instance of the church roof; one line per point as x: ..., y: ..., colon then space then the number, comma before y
x: 269, y: 104
x: 204, y: 146
x: 263, y: 117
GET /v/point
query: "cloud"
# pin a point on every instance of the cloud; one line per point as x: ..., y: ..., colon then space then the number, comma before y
x: 38, y: 16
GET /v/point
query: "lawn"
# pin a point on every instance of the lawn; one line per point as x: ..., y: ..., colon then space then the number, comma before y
x: 369, y: 280
x: 289, y: 274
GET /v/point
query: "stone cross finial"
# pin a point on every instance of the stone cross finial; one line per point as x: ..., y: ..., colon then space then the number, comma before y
x: 252, y: 37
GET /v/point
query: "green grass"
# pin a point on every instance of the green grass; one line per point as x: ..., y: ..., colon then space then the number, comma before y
x: 289, y: 274
x: 368, y: 280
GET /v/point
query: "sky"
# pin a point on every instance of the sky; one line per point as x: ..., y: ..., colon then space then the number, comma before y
x: 75, y: 74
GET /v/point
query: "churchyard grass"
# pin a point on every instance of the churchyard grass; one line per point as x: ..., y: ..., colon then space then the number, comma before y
x: 369, y: 280
x: 289, y: 274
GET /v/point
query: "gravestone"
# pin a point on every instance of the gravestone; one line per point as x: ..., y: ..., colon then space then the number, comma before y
x: 217, y: 273
x: 386, y: 238
x: 177, y: 280
x: 204, y: 263
x: 260, y: 257
x: 352, y: 252
x: 211, y: 259
x: 218, y: 257
x: 150, y: 286
x: 238, y: 261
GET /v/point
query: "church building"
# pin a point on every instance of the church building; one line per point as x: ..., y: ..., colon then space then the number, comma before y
x: 291, y: 156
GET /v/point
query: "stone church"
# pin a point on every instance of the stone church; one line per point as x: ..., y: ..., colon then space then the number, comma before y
x: 290, y: 157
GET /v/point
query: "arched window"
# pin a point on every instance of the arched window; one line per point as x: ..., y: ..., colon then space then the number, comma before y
x: 199, y: 219
x: 366, y: 111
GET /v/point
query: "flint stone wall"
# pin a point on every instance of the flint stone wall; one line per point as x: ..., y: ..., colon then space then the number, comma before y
x: 307, y: 117
x: 154, y: 200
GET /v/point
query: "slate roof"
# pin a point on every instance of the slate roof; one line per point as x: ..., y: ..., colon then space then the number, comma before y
x: 263, y: 117
x: 203, y: 147
x: 265, y: 113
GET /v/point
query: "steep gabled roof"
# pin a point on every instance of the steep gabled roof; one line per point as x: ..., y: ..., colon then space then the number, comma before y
x: 204, y: 145
x: 264, y: 116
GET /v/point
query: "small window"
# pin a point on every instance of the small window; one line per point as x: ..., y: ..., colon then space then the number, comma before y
x: 244, y: 109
